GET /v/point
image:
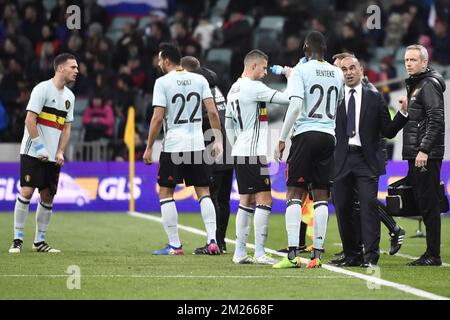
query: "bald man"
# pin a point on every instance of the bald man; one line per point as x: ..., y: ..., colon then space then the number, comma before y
x: 359, y: 161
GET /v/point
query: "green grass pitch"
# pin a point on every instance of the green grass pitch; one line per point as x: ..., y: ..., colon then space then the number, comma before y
x: 112, y: 254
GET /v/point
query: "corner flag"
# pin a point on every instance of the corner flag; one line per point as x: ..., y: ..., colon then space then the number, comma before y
x: 129, y: 141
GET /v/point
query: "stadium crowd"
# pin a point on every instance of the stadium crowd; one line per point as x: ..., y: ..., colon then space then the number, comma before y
x: 118, y: 67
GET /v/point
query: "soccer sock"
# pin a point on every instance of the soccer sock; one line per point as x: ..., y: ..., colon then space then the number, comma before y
x: 293, y: 207
x: 169, y: 217
x: 302, y: 236
x: 320, y: 223
x: 261, y: 225
x: 243, y: 218
x: 209, y: 217
x: 20, y: 216
x: 387, y: 220
x: 43, y: 215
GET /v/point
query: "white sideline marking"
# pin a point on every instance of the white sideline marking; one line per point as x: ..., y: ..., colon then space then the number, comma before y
x: 165, y: 276
x: 406, y: 256
x: 374, y: 280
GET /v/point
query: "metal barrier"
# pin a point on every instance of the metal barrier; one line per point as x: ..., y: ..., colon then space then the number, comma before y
x: 90, y: 151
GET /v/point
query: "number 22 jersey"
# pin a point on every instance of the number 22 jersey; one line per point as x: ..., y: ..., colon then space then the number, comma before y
x: 182, y: 93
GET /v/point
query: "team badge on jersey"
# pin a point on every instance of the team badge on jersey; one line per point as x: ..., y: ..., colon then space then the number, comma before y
x: 27, y: 178
x: 67, y: 104
x: 266, y: 181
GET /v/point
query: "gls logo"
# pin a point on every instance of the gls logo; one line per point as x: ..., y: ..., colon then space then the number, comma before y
x: 8, y: 188
x: 111, y: 188
x: 116, y: 188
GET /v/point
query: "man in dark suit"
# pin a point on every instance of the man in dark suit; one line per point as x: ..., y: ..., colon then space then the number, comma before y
x: 359, y: 161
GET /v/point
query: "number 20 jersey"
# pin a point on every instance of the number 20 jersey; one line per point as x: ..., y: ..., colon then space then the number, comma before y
x: 181, y: 93
x: 321, y: 86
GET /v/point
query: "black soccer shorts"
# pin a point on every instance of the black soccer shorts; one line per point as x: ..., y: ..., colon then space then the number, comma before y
x: 252, y: 174
x: 187, y: 166
x: 38, y: 174
x: 310, y: 160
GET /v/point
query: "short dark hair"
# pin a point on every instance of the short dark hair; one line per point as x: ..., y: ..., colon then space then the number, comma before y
x: 255, y: 54
x: 170, y: 51
x: 190, y: 63
x: 315, y: 43
x: 61, y: 59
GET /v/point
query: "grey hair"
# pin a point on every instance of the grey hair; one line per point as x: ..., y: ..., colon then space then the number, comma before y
x: 423, y: 51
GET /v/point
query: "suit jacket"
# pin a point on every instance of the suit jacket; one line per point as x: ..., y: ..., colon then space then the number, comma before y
x: 374, y: 121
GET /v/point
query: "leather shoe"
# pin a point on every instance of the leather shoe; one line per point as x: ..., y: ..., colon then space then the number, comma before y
x: 339, y: 254
x: 426, y: 260
x: 350, y: 262
x: 337, y: 260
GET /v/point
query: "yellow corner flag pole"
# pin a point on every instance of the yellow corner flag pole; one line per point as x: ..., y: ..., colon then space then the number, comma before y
x: 129, y: 140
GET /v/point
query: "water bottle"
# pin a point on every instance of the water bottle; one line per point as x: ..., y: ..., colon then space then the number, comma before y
x: 277, y: 69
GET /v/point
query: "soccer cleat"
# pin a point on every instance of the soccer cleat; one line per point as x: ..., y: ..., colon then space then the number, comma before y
x: 243, y: 260
x: 266, y: 259
x: 223, y: 248
x: 201, y: 250
x: 213, y: 248
x: 396, y: 241
x: 286, y: 263
x: 169, y: 250
x: 44, y: 247
x: 314, y: 263
x: 301, y: 249
x: 16, y: 246
x: 425, y: 260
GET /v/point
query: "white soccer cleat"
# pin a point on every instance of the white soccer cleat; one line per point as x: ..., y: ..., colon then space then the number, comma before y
x: 266, y: 259
x: 43, y: 247
x: 16, y: 246
x: 243, y: 260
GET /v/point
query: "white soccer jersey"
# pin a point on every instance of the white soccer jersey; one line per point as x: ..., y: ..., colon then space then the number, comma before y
x: 321, y: 86
x: 182, y: 94
x: 246, y: 105
x: 54, y: 108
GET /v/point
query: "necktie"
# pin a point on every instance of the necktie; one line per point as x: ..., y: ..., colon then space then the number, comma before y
x: 351, y: 115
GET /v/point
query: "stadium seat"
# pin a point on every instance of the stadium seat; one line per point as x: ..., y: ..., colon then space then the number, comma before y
x: 80, y: 106
x: 267, y: 40
x: 114, y: 35
x: 400, y: 55
x: 220, y: 7
x: 143, y: 22
x: 76, y: 135
x: 401, y: 70
x: 272, y: 23
x: 49, y: 4
x: 77, y: 123
x: 222, y: 55
x: 381, y: 52
x: 117, y: 23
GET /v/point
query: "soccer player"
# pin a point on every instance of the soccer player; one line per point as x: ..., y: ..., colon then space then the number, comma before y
x: 177, y: 99
x: 247, y: 126
x: 46, y: 135
x: 221, y: 173
x: 314, y: 89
